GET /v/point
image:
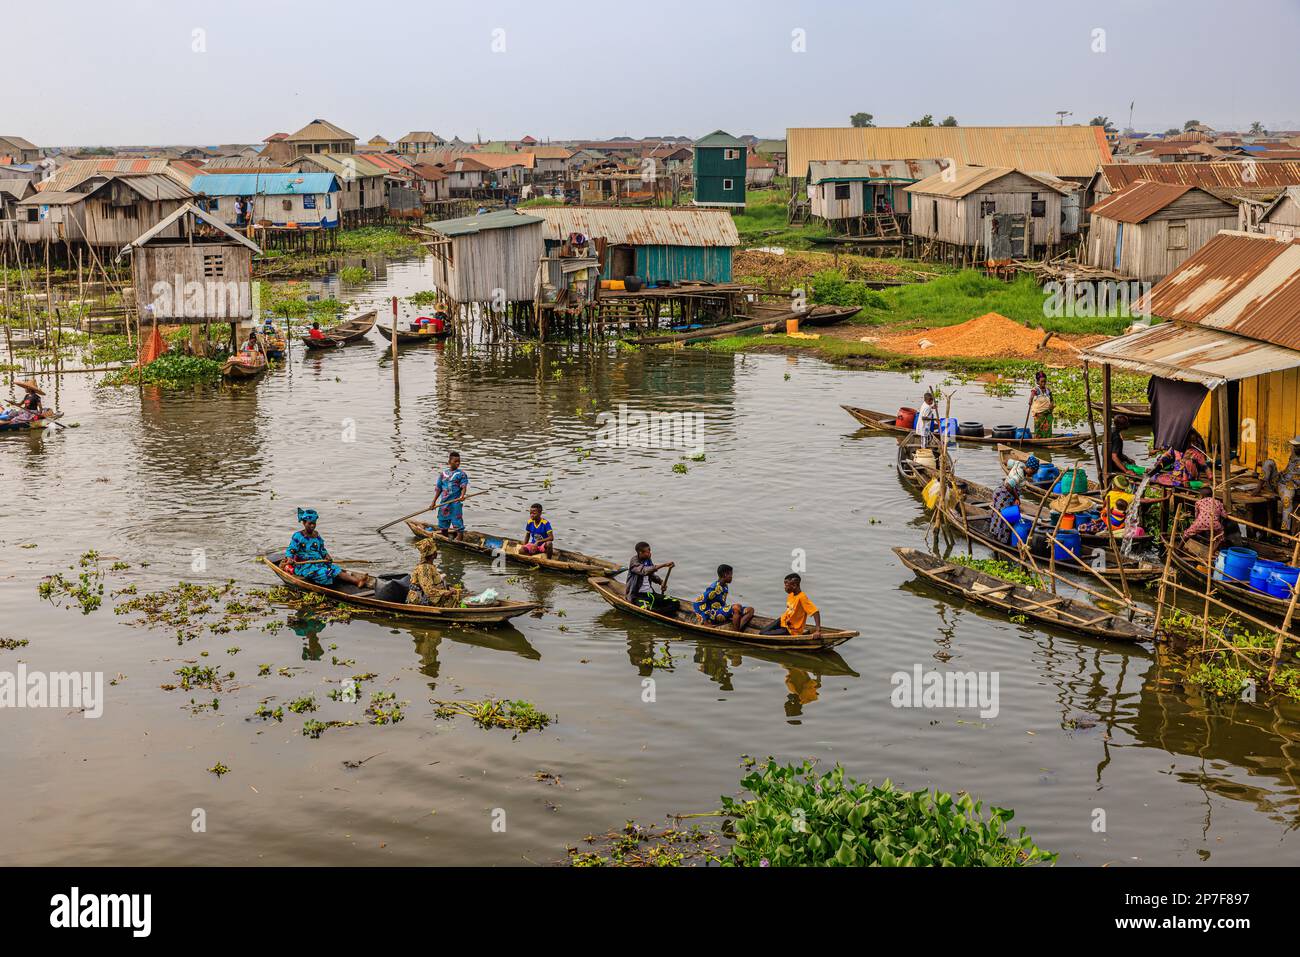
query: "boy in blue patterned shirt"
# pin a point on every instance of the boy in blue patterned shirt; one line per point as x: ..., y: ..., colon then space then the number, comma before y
x: 712, y: 606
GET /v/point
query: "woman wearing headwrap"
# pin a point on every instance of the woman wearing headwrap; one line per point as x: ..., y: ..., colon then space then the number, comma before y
x: 1041, y: 406
x: 1006, y: 495
x: 309, y: 559
x: 428, y: 587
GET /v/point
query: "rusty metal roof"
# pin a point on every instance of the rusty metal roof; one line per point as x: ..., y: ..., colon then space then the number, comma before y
x: 1059, y: 150
x: 825, y: 171
x: 641, y: 227
x: 1244, y: 283
x: 1134, y: 204
x: 1236, y: 177
x: 1211, y: 357
x: 78, y: 171
x: 966, y: 179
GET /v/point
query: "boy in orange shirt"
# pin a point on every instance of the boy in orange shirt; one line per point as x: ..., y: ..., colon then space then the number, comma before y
x: 798, y: 608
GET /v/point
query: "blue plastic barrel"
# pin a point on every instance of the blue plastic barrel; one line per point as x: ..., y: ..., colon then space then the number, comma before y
x: 1066, y: 548
x: 1260, y: 573
x: 949, y: 428
x: 1022, y: 529
x: 1012, y: 514
x: 1023, y: 433
x: 1278, y: 586
x: 1237, y: 563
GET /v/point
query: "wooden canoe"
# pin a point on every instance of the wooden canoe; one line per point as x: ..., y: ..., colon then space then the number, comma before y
x: 565, y: 560
x: 883, y: 422
x: 1038, y: 489
x: 237, y: 368
x: 1137, y: 412
x: 820, y: 316
x: 405, y: 338
x: 36, y: 425
x: 350, y: 330
x: 497, y: 614
x: 976, y: 506
x: 686, y: 620
x: 1021, y: 600
x: 1190, y: 559
x: 705, y: 333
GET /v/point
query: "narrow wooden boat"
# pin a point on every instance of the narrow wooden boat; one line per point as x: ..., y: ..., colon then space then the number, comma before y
x: 36, y: 425
x: 821, y: 316
x: 1039, y: 489
x: 405, y: 338
x: 1190, y: 559
x: 685, y: 619
x: 705, y: 333
x: 350, y: 330
x: 977, y: 508
x: 497, y: 614
x: 237, y: 367
x: 883, y: 422
x: 565, y: 560
x: 1137, y: 412
x: 1021, y: 600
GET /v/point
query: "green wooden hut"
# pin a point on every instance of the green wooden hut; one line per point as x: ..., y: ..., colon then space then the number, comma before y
x: 720, y: 170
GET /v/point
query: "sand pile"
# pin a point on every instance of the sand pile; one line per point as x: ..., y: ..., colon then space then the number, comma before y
x: 989, y: 335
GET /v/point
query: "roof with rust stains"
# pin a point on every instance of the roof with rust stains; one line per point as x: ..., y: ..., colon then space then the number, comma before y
x: 1142, y: 200
x: 641, y: 227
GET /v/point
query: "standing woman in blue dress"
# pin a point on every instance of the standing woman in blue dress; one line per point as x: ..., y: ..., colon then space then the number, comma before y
x: 453, y: 484
x: 309, y: 558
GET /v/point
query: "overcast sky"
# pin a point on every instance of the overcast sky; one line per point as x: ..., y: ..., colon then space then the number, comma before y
x: 176, y: 71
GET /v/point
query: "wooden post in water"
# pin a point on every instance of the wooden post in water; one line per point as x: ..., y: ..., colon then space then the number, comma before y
x: 394, y: 339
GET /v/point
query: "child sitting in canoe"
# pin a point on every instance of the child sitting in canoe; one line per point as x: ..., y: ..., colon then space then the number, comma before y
x: 315, y: 332
x: 641, y: 578
x: 798, y: 609
x: 309, y: 559
x: 712, y: 608
x: 428, y: 586
x: 538, y: 535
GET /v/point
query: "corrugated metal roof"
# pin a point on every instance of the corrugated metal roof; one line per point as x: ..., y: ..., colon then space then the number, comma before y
x: 1059, y: 150
x: 497, y: 161
x: 1135, y: 203
x: 1211, y: 357
x: 263, y: 184
x: 53, y: 197
x: 642, y: 227
x: 17, y: 188
x: 343, y: 165
x: 823, y: 171
x: 189, y: 209
x: 1246, y: 283
x: 550, y: 152
x: 155, y: 186
x: 1235, y: 177
x: 1293, y: 192
x: 720, y: 138
x: 19, y: 142
x: 75, y: 172
x: 469, y: 225
x: 966, y: 179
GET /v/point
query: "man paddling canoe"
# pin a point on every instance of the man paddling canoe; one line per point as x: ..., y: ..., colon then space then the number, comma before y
x: 451, y: 491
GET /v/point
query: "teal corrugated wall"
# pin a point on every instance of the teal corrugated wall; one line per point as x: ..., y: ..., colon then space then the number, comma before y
x: 676, y: 263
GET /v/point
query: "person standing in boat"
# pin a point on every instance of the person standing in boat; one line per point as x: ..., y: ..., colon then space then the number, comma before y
x: 29, y: 409
x: 1041, y: 406
x: 452, y: 487
x: 1004, y: 496
x: 927, y: 420
x: 308, y: 557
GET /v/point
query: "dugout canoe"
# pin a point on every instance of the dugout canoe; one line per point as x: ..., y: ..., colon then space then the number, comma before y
x: 705, y: 333
x: 1041, y: 605
x: 406, y: 338
x: 819, y: 317
x: 497, y: 614
x: 237, y: 368
x: 685, y: 619
x: 36, y: 425
x: 565, y: 560
x: 884, y: 422
x: 350, y: 330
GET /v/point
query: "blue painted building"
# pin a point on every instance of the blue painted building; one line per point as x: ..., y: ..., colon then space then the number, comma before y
x: 307, y: 200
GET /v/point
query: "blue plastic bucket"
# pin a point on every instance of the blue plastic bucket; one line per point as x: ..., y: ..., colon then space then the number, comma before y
x: 1260, y: 573
x: 1237, y: 563
x: 1011, y: 514
x: 1066, y: 548
x: 1022, y: 529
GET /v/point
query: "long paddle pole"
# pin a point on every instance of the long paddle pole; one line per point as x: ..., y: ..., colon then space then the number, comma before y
x: 42, y: 415
x: 429, y: 509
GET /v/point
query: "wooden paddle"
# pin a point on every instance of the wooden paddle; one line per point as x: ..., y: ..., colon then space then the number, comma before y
x: 435, y: 505
x: 663, y: 592
x: 42, y: 415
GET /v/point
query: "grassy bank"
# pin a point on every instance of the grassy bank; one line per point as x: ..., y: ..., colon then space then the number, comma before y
x: 763, y: 222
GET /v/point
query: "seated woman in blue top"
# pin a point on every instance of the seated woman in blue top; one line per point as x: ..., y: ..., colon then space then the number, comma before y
x: 309, y: 559
x: 712, y: 607
x: 538, y: 535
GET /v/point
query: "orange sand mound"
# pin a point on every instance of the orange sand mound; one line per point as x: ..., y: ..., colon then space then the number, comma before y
x: 991, y: 335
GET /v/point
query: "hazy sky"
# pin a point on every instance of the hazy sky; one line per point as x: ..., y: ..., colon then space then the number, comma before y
x: 136, y: 71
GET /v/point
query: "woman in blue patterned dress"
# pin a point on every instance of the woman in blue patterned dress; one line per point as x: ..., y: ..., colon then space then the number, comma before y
x: 309, y: 559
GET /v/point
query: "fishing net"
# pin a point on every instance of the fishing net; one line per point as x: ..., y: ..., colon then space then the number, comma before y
x: 151, y: 347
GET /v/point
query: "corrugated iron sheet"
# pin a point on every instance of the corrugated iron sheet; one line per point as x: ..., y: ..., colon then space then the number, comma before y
x: 1211, y: 357
x: 1135, y: 203
x: 1059, y: 150
x: 890, y: 170
x: 1245, y: 283
x: 1237, y: 176
x: 642, y: 227
x: 966, y: 179
x: 470, y: 225
x: 75, y: 172
x: 156, y: 186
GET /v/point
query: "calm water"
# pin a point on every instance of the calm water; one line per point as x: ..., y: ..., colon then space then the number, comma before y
x: 1083, y: 725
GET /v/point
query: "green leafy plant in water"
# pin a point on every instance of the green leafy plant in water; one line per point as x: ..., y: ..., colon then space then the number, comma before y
x: 355, y: 275
x: 519, y: 716
x: 1000, y: 569
x: 303, y: 705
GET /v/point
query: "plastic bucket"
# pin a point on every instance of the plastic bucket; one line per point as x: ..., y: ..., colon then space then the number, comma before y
x: 1237, y: 563
x: 1066, y: 548
x: 1023, y: 433
x: 906, y: 417
x: 1072, y: 480
x: 792, y: 327
x: 1047, y: 472
x: 1022, y: 528
x: 1011, y: 514
x: 1260, y: 573
x: 1067, y: 521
